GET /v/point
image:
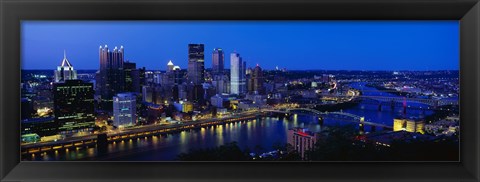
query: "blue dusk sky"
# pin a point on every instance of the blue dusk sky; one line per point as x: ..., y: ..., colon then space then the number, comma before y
x: 295, y: 45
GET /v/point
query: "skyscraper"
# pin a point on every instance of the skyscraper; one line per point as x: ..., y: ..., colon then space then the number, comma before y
x: 65, y: 71
x: 220, y: 80
x: 73, y: 106
x: 196, y: 64
x: 111, y: 75
x: 243, y: 80
x: 172, y: 76
x: 237, y: 74
x: 221, y: 84
x: 132, y: 77
x: 257, y: 80
x: 218, y: 61
x: 170, y: 66
x: 124, y: 109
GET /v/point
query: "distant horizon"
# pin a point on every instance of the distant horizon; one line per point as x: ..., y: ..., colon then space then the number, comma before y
x: 262, y: 69
x: 295, y: 45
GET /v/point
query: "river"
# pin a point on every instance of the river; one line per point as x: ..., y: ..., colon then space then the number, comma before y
x: 257, y: 135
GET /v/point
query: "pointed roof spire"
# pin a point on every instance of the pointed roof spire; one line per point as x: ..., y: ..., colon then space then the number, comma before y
x: 170, y: 63
x: 65, y: 61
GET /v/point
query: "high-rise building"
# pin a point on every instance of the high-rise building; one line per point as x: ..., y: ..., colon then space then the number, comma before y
x: 219, y: 79
x: 170, y: 66
x: 111, y: 75
x: 132, y: 77
x: 302, y: 140
x: 256, y: 80
x: 148, y: 93
x: 196, y: 64
x: 73, y: 106
x: 218, y: 61
x: 142, y: 76
x: 172, y: 76
x: 244, y: 68
x: 195, y: 93
x: 249, y: 71
x: 124, y: 109
x: 221, y: 84
x: 243, y: 80
x: 158, y: 77
x: 178, y: 76
x: 65, y: 71
x: 237, y: 74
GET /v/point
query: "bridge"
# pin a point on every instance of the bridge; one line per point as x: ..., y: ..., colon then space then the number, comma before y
x: 379, y: 99
x: 333, y: 115
x: 430, y: 102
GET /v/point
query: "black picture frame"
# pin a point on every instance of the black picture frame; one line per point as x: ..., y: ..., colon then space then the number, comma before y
x: 12, y: 12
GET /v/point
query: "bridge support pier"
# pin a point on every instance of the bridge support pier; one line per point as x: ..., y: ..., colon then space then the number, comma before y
x: 102, y: 143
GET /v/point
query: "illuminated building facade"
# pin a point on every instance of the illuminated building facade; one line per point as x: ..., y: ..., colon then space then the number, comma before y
x: 124, y: 109
x: 196, y: 64
x: 218, y: 61
x: 256, y: 81
x: 302, y: 140
x: 172, y: 76
x: 73, y: 106
x: 184, y: 107
x: 65, y: 71
x: 111, y: 79
x: 399, y: 124
x: 44, y: 126
x: 170, y: 66
x: 237, y: 74
x: 220, y: 80
x: 415, y: 126
x: 409, y: 125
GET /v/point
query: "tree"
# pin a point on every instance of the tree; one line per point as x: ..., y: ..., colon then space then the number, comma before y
x: 228, y: 152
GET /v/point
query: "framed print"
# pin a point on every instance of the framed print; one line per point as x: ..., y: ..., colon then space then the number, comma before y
x: 186, y: 91
x: 237, y: 98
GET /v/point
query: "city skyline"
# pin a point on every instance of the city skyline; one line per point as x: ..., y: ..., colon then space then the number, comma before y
x: 442, y: 54
x: 125, y: 109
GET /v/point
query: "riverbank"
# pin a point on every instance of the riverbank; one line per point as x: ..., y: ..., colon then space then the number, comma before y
x: 388, y: 90
x: 337, y: 107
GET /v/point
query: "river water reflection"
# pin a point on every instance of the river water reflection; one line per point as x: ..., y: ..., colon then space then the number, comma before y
x: 257, y: 135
